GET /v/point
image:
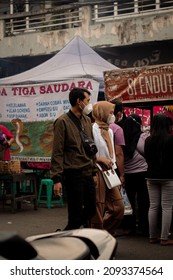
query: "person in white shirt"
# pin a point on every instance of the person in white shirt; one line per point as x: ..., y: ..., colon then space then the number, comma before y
x: 109, y: 203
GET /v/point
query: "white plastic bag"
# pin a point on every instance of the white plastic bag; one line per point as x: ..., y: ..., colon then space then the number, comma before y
x: 127, y: 205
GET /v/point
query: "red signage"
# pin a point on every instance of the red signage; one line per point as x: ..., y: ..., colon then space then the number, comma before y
x: 150, y: 83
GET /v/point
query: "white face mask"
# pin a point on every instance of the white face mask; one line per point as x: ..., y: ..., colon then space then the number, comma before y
x: 110, y: 119
x: 88, y: 109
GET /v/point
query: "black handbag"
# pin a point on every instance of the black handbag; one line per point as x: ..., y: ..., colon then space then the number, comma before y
x: 88, y: 143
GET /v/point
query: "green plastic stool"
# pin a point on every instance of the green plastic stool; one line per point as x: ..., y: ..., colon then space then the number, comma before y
x: 45, y: 194
x: 27, y: 187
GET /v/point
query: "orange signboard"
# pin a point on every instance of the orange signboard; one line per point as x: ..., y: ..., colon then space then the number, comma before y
x: 150, y: 83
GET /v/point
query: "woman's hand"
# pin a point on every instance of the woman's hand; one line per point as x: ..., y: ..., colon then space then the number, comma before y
x: 108, y: 163
x: 122, y: 179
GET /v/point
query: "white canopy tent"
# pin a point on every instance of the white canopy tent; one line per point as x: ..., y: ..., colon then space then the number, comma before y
x: 75, y: 60
x: 35, y: 98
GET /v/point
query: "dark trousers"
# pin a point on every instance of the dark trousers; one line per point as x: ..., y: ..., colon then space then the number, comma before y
x: 137, y: 192
x: 81, y: 198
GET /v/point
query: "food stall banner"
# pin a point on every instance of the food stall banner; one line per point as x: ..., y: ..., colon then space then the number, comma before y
x: 29, y: 112
x: 141, y: 84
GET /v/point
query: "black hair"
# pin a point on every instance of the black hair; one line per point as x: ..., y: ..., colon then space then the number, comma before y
x: 118, y: 106
x: 159, y: 134
x: 76, y: 93
x: 136, y: 118
x: 132, y: 131
x: 160, y: 125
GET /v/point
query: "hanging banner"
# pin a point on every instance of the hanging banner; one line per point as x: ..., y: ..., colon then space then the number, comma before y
x: 29, y: 111
x: 151, y: 83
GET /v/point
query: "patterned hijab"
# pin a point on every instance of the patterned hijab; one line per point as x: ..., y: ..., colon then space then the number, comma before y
x: 101, y: 111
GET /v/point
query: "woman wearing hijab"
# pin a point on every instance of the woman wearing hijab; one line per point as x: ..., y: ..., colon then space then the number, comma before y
x: 159, y: 154
x: 110, y: 207
x: 135, y: 168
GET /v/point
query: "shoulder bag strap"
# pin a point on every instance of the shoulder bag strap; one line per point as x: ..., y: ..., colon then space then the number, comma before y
x: 76, y: 122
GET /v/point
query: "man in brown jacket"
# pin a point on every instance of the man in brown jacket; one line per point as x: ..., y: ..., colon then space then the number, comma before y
x: 69, y: 162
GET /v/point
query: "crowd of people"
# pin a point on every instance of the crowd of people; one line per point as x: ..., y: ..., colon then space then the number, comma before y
x: 92, y: 138
x: 141, y: 160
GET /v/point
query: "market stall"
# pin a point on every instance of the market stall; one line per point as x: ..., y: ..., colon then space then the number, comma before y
x: 143, y: 88
x: 32, y: 100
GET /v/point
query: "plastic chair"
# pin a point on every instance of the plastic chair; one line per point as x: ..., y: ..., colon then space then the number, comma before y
x: 45, y: 194
x: 27, y: 186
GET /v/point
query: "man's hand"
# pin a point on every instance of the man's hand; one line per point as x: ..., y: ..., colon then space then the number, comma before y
x: 95, y: 179
x: 58, y: 189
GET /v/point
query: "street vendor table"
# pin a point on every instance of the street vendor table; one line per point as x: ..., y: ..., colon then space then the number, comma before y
x: 16, y: 194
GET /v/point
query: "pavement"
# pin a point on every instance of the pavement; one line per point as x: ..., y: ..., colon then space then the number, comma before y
x: 27, y: 222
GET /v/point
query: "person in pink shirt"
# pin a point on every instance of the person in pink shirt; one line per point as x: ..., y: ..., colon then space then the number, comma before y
x: 119, y: 141
x: 6, y: 143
